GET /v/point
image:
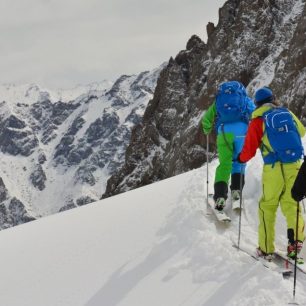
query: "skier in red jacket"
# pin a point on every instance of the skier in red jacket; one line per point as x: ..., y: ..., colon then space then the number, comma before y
x: 280, y: 169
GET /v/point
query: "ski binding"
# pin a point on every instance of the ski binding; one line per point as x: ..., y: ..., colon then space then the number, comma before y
x: 220, y: 215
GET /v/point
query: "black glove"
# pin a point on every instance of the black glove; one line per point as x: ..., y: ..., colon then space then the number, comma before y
x: 298, y: 191
x: 238, y: 159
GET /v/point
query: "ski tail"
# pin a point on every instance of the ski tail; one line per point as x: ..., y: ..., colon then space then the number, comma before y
x: 275, y: 264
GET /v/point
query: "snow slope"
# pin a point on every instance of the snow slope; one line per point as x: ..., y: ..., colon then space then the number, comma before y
x: 151, y: 246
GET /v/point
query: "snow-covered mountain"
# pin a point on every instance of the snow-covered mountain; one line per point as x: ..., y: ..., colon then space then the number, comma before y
x: 256, y: 42
x: 31, y: 93
x: 58, y: 148
x: 151, y: 246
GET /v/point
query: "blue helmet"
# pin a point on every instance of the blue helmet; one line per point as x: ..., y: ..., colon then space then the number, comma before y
x: 263, y: 95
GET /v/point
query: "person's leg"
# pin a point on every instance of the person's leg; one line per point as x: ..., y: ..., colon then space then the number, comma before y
x: 273, y: 184
x: 289, y: 205
x: 223, y: 171
x: 238, y: 169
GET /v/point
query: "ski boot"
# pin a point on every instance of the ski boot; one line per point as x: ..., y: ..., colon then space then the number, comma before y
x: 219, y: 204
x: 264, y: 255
x: 235, y: 195
x: 292, y: 247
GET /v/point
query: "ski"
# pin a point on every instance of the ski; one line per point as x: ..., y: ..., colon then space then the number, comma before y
x: 236, y: 205
x: 276, y: 264
x: 291, y: 262
x: 220, y: 215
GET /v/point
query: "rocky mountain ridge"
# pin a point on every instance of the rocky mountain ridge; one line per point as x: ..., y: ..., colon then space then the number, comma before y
x: 257, y: 42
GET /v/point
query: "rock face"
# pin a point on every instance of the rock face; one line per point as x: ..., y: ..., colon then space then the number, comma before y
x: 38, y: 177
x: 259, y: 43
x: 58, y: 154
x: 12, y: 210
x: 16, y: 138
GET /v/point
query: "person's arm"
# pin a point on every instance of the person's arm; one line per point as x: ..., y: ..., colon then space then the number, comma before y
x: 252, y: 140
x: 209, y: 119
x: 298, y: 191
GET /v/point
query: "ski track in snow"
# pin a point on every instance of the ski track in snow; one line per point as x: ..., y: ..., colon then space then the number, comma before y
x: 202, y: 248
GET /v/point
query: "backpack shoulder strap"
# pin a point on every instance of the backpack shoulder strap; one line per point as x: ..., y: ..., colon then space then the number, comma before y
x: 263, y: 146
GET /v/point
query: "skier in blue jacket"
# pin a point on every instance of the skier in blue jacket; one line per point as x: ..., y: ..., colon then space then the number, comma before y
x: 231, y: 110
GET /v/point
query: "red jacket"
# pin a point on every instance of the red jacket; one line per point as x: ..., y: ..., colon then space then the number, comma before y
x: 252, y: 139
x: 255, y: 134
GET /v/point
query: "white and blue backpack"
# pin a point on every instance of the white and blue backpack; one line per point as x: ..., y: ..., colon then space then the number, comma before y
x: 283, y: 136
x: 231, y: 102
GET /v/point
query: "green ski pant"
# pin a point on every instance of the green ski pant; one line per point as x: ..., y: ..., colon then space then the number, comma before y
x: 228, y: 147
x: 277, y: 183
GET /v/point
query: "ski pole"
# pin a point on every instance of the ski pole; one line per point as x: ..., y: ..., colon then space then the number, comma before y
x: 207, y: 170
x: 296, y: 247
x: 240, y: 206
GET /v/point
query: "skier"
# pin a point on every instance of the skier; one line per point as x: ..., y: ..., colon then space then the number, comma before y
x: 277, y: 132
x: 298, y: 190
x: 231, y: 110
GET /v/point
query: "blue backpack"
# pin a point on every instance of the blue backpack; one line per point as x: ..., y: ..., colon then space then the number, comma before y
x: 231, y: 102
x: 283, y: 136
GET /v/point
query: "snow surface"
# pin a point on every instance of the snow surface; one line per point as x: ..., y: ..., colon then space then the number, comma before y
x: 152, y: 246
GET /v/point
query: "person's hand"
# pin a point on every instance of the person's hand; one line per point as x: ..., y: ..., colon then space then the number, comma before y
x: 238, y: 159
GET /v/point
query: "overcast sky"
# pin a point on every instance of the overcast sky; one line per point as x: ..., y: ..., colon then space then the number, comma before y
x: 62, y: 43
